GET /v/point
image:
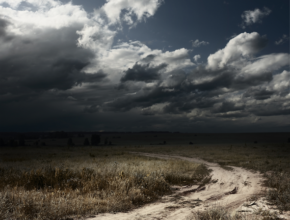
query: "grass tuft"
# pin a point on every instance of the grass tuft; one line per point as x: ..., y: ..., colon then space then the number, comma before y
x: 214, y: 213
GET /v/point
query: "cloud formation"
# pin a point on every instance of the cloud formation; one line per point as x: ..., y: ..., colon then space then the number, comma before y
x: 73, y: 69
x: 196, y: 57
x: 143, y: 73
x: 198, y: 43
x: 232, y: 75
x: 126, y: 10
x: 237, y: 51
x: 282, y: 40
x: 251, y: 17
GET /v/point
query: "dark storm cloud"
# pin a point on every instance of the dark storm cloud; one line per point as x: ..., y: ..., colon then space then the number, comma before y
x: 92, y: 109
x: 259, y: 94
x: 149, y: 58
x: 44, y: 84
x: 63, y: 75
x: 3, y: 34
x: 142, y: 73
x: 52, y: 61
x: 3, y: 25
x: 187, y: 104
x: 187, y: 91
x: 270, y: 110
x: 232, y: 115
x: 181, y: 95
x: 206, y: 80
x: 228, y: 107
x: 36, y: 74
x: 246, y: 82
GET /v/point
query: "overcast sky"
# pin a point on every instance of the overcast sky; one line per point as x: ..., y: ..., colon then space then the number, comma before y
x: 140, y: 65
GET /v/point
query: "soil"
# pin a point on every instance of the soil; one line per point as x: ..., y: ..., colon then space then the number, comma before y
x: 238, y: 190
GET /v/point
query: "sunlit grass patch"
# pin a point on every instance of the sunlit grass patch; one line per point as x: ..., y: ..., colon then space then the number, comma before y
x: 215, y: 213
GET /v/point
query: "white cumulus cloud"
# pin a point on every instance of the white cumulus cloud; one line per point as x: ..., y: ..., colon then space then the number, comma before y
x: 55, y: 16
x: 139, y: 8
x: 43, y: 4
x: 237, y: 51
x: 267, y: 63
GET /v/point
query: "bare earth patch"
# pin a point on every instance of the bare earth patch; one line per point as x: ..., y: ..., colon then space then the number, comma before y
x: 238, y: 190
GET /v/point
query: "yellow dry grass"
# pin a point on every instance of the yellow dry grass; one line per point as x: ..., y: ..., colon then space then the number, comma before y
x: 44, y: 183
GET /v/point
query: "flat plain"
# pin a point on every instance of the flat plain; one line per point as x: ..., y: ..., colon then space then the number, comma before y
x: 147, y: 176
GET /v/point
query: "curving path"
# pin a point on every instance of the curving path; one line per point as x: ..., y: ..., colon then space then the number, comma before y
x: 229, y: 188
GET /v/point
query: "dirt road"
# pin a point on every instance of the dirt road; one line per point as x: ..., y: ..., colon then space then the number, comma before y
x: 229, y: 188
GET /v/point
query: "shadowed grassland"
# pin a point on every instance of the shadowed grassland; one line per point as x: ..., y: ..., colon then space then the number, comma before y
x: 57, y: 183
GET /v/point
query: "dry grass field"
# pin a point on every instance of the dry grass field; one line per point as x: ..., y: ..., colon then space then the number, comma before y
x: 54, y: 183
x: 60, y: 182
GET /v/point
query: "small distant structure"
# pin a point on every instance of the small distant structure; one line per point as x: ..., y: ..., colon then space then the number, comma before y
x: 164, y: 142
x: 190, y: 143
x: 288, y: 140
x: 255, y: 142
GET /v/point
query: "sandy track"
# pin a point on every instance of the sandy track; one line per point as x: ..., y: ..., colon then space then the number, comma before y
x: 230, y: 189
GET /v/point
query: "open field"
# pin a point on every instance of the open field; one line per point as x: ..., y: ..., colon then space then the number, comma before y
x: 51, y: 183
x: 59, y: 182
x: 230, y: 188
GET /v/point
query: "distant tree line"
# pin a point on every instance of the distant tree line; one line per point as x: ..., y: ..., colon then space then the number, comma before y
x: 95, y: 141
x: 13, y: 142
